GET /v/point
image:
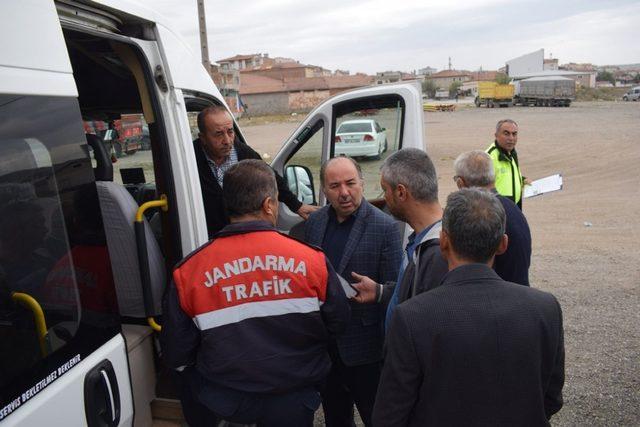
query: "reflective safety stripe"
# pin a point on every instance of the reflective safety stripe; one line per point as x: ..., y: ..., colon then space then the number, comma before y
x: 250, y: 310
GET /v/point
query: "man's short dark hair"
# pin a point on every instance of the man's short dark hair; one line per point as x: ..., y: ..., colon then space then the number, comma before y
x: 414, y: 169
x: 214, y: 109
x: 246, y: 185
x: 474, y: 220
x: 323, y: 168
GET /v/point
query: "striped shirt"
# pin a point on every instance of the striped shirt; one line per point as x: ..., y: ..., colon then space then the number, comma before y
x: 219, y: 171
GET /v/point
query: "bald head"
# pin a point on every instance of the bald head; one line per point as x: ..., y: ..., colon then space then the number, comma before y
x: 340, y: 160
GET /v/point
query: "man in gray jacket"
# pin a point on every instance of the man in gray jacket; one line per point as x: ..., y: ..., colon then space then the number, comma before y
x: 410, y: 186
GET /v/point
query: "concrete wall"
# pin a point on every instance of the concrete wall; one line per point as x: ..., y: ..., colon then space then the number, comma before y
x: 585, y: 80
x: 266, y: 103
x: 444, y: 82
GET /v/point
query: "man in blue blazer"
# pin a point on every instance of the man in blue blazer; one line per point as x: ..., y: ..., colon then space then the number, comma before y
x: 356, y: 237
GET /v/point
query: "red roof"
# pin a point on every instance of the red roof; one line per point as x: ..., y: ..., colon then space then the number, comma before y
x: 238, y: 58
x: 251, y: 83
x: 483, y: 76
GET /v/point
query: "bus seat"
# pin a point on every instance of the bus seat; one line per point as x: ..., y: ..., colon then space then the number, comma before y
x: 104, y: 168
x: 118, y: 214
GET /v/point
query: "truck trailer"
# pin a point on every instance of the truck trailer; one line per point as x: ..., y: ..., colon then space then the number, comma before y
x: 551, y: 91
x: 491, y: 94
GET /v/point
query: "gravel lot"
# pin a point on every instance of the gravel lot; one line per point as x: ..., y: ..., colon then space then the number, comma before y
x: 585, y: 237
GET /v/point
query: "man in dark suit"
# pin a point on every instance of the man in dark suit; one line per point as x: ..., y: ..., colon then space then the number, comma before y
x: 355, y: 236
x: 217, y: 149
x: 475, y: 169
x: 476, y: 350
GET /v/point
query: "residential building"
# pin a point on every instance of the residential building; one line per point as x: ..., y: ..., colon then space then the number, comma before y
x: 572, y: 66
x: 282, y: 60
x: 550, y: 64
x: 243, y: 62
x: 444, y: 78
x: 470, y: 87
x: 427, y: 71
x: 266, y: 95
x: 228, y: 82
x: 287, y: 70
x: 388, y: 77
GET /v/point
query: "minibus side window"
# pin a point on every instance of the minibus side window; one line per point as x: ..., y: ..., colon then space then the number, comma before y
x: 57, y: 298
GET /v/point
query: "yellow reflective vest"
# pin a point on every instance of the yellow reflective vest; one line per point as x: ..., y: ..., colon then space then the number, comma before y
x: 508, y: 176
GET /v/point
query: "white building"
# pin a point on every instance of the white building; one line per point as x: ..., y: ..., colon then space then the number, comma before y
x: 530, y: 63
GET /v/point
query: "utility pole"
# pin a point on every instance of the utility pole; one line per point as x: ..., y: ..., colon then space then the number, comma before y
x: 449, y: 63
x: 204, y: 45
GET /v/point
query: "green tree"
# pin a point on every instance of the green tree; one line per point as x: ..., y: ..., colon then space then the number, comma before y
x: 429, y: 88
x: 636, y: 78
x: 502, y: 79
x: 453, y: 88
x: 606, y: 76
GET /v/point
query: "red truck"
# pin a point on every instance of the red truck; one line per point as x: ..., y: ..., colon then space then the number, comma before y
x: 124, y: 135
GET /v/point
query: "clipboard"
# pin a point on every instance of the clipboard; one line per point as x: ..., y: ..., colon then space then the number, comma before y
x: 543, y: 185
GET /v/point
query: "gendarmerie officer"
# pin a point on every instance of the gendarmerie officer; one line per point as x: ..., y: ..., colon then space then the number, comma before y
x: 249, y: 314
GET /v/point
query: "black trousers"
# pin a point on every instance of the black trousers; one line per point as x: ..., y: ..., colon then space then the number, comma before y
x: 211, y: 403
x: 347, y: 385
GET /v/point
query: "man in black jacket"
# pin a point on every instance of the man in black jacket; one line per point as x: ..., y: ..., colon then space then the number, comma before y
x: 477, y: 350
x: 217, y: 149
x: 410, y: 186
x: 475, y: 169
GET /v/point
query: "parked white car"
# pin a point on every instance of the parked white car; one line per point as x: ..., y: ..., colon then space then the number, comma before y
x: 360, y: 138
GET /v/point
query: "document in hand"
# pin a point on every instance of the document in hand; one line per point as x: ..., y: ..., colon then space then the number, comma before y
x: 349, y: 291
x: 543, y: 185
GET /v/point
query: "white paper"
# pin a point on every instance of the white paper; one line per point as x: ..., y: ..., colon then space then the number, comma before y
x: 348, y: 290
x: 543, y: 185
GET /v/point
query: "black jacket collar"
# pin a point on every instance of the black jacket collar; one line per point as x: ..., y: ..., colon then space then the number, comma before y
x: 470, y: 273
x: 245, y: 227
x: 504, y: 154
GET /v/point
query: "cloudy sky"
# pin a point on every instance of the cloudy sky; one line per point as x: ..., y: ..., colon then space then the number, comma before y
x: 378, y: 35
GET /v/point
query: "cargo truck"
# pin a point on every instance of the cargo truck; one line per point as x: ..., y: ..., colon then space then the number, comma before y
x: 551, y: 91
x: 491, y: 94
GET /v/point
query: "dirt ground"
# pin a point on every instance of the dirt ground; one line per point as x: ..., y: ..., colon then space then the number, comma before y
x: 585, y: 237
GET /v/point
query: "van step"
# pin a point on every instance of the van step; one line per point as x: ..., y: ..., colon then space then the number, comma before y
x: 167, y: 409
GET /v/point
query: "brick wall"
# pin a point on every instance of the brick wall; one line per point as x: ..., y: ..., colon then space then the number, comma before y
x: 306, y: 100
